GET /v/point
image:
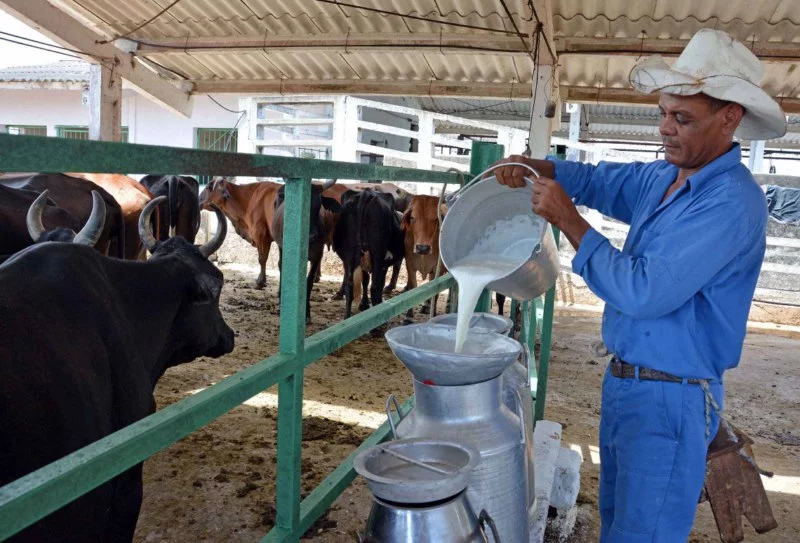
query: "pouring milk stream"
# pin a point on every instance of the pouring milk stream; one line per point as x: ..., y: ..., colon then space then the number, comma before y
x: 499, y: 252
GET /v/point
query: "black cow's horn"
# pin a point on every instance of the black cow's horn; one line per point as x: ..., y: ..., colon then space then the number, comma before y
x: 93, y: 228
x: 34, y: 218
x: 212, y: 246
x: 146, y: 235
x: 328, y: 184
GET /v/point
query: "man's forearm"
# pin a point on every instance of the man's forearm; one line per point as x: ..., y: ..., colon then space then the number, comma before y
x: 575, y: 230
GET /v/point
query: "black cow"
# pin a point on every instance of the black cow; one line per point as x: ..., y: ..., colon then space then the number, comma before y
x: 182, y: 206
x: 368, y: 239
x: 83, y: 360
x: 317, y: 233
x: 75, y: 195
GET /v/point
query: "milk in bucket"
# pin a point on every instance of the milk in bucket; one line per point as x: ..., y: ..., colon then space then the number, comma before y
x: 504, y: 246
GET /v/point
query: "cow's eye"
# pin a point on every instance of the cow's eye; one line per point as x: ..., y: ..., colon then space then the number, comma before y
x: 412, y: 220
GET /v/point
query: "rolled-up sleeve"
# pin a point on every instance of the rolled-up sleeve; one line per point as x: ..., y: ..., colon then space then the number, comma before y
x: 611, y: 188
x: 672, y: 268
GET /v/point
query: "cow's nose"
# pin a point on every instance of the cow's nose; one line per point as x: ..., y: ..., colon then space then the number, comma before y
x: 422, y: 249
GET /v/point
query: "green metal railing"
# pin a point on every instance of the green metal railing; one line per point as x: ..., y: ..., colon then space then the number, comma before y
x: 36, y: 495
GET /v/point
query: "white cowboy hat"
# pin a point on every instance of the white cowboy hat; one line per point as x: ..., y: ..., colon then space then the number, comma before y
x: 717, y: 65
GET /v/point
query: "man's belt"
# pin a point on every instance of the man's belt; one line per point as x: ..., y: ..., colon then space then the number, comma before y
x: 623, y: 370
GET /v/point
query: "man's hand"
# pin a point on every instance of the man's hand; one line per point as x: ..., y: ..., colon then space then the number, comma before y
x: 554, y: 205
x: 513, y: 176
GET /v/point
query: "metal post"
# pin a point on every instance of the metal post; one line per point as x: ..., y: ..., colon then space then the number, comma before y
x: 483, y: 155
x: 292, y: 334
x: 756, y: 160
x: 533, y: 326
x: 542, y: 126
x: 547, y: 336
x: 574, y: 111
x: 514, y: 309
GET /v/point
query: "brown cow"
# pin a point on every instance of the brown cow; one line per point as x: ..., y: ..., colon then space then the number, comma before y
x: 251, y: 208
x: 421, y: 226
x: 132, y: 197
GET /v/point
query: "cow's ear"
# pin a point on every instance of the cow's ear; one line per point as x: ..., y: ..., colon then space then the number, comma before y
x: 225, y: 193
x: 442, y: 209
x: 405, y: 222
x: 331, y: 204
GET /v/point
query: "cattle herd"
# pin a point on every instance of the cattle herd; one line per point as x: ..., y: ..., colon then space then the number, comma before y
x: 89, y: 323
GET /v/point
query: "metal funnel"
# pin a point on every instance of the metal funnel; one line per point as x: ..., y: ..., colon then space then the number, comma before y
x: 427, y: 350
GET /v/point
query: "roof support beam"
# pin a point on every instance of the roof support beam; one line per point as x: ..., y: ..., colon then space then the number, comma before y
x: 444, y: 43
x: 68, y: 32
x: 422, y: 43
x: 508, y: 91
x: 767, y: 51
x: 597, y: 95
x: 105, y: 104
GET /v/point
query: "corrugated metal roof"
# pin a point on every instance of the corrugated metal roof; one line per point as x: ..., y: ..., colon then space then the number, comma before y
x: 64, y: 71
x: 773, y: 21
x: 768, y: 20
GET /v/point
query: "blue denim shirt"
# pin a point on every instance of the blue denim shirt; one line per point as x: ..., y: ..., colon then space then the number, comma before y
x: 679, y: 292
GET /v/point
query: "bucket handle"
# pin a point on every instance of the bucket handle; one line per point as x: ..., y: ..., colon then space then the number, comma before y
x: 450, y: 199
x: 392, y: 400
x: 483, y: 519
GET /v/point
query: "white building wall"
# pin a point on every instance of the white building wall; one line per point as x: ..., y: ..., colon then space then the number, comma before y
x: 147, y: 122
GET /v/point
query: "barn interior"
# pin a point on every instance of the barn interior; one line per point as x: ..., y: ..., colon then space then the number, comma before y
x: 272, y: 456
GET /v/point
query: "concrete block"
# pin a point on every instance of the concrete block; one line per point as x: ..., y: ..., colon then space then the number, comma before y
x: 564, y: 523
x: 546, y: 445
x: 567, y: 481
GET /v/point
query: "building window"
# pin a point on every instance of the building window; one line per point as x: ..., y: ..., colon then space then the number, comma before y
x: 82, y: 132
x: 26, y: 130
x: 215, y: 139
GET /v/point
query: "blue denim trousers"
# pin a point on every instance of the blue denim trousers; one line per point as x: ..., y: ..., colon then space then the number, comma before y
x: 652, y: 458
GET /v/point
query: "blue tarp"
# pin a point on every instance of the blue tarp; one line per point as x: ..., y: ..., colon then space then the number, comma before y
x: 783, y: 204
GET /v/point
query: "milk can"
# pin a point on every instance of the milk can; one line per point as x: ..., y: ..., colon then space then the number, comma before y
x: 418, y: 488
x: 472, y: 413
x: 475, y: 415
x: 516, y: 378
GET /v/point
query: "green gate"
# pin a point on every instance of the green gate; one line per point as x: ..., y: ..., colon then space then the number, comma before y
x: 34, y: 496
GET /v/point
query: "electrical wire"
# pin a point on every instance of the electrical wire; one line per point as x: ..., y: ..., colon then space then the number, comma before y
x: 9, y: 40
x: 546, y: 41
x: 225, y: 108
x: 54, y: 46
x: 416, y: 17
x: 516, y: 29
x: 141, y: 26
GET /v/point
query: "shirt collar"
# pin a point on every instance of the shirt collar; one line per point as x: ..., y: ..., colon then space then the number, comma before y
x: 714, y: 168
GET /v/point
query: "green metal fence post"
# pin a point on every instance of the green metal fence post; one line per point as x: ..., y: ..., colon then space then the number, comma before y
x: 292, y: 335
x: 483, y: 155
x: 547, y: 336
x: 515, y: 306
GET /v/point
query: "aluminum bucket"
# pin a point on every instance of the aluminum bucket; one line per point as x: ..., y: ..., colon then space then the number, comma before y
x: 476, y: 208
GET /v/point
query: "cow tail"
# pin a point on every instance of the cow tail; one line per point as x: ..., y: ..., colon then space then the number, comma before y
x: 173, y: 203
x: 364, y: 199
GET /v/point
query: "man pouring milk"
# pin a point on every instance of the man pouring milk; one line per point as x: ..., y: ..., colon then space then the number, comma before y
x: 678, y: 294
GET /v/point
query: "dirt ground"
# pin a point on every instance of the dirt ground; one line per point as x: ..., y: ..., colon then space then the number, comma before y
x: 218, y: 484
